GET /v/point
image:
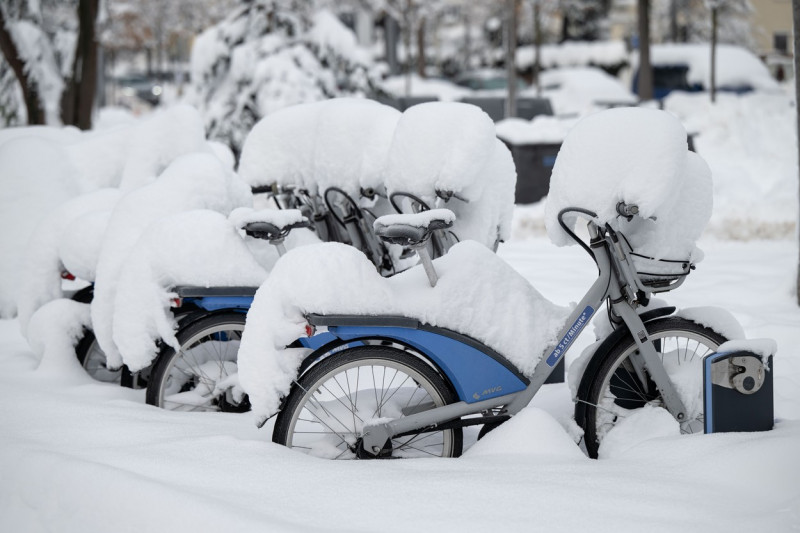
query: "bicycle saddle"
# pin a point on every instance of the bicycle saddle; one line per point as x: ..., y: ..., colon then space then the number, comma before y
x: 272, y: 232
x: 412, y: 229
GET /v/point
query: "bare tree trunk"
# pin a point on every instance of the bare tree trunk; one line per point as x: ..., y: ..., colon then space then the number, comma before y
x: 390, y: 38
x: 467, y: 36
x: 645, y: 76
x: 77, y: 101
x: 796, y: 17
x: 673, y: 20
x: 713, y: 88
x: 30, y: 92
x: 537, y: 43
x: 407, y: 29
x: 421, y: 59
x: 511, y: 54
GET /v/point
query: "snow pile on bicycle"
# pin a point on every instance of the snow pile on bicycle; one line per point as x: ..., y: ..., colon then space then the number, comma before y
x: 336, y: 279
x: 640, y: 157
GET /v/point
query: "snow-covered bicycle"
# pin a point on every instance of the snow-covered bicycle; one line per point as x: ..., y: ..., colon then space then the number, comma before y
x: 398, y: 367
x: 400, y: 388
x: 202, y: 374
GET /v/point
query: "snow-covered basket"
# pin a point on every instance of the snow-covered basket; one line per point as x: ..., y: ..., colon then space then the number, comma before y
x: 341, y: 143
x: 639, y: 157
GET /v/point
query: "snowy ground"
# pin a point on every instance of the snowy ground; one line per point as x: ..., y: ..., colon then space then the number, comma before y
x: 77, y: 455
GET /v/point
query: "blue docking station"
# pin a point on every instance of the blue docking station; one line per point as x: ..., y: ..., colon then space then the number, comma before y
x: 738, y: 392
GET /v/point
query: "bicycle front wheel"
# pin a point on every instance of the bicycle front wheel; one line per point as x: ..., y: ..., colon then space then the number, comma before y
x: 201, y: 375
x: 328, y: 407
x: 617, y: 390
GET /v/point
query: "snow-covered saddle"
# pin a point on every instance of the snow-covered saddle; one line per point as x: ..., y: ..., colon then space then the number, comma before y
x: 412, y: 229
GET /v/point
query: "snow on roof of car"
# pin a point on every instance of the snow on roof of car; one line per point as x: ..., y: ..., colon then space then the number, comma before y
x: 735, y: 66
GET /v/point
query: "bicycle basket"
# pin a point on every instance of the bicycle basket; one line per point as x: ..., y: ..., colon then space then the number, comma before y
x: 660, y: 275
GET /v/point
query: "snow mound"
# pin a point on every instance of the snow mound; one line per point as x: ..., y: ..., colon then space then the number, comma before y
x: 341, y: 143
x: 332, y: 278
x: 36, y: 179
x: 54, y: 330
x: 750, y: 143
x: 532, y: 432
x: 643, y: 424
x: 638, y: 156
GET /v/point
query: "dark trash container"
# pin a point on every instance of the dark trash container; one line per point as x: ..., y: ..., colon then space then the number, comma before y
x: 495, y: 107
x: 528, y: 108
x: 534, y: 163
x: 407, y: 101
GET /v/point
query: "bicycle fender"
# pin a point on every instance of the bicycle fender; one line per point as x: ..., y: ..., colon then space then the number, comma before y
x: 461, y: 361
x: 607, y: 344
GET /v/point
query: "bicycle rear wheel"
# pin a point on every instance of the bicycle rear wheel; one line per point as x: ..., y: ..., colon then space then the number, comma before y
x: 326, y: 410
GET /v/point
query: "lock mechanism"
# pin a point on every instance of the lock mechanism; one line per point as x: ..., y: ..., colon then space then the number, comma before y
x: 743, y: 373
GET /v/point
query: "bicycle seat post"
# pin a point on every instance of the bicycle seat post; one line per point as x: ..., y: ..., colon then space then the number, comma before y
x: 278, y: 244
x: 427, y: 263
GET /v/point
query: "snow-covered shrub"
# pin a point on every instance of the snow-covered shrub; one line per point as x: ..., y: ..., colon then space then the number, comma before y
x: 265, y: 57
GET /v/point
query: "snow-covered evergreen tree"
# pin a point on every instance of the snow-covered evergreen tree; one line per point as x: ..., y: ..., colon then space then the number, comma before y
x: 269, y: 54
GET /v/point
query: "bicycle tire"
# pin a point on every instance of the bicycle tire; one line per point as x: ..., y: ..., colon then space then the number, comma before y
x: 614, y: 389
x: 401, y: 376
x: 187, y: 379
x: 93, y: 359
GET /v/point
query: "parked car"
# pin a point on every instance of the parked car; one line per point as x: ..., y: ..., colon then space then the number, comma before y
x: 576, y: 91
x: 487, y: 80
x: 141, y: 86
x: 687, y: 67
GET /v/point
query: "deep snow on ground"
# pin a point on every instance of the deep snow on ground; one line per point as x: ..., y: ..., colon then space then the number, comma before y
x: 77, y: 455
